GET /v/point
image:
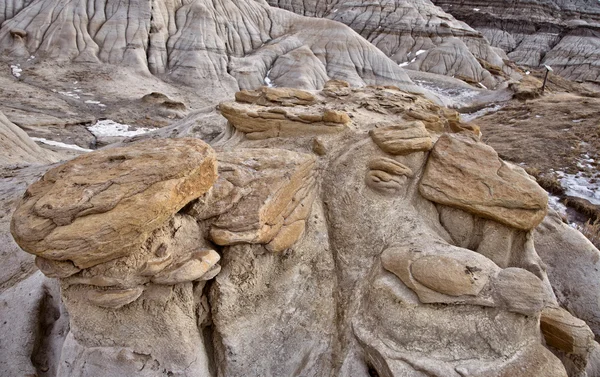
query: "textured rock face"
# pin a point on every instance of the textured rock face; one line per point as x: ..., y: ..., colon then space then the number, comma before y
x: 62, y: 215
x: 560, y: 33
x: 467, y: 174
x: 311, y: 252
x: 416, y: 35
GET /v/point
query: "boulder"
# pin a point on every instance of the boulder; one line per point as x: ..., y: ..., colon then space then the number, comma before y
x: 468, y: 174
x: 90, y: 219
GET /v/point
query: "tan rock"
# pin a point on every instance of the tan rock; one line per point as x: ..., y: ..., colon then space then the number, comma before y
x: 449, y: 276
x: 56, y: 269
x: 335, y: 116
x: 114, y: 299
x: 565, y: 332
x: 259, y: 122
x: 71, y: 214
x: 402, y: 139
x: 287, y: 236
x: 279, y: 185
x: 390, y: 166
x: 195, y: 268
x: 520, y: 291
x: 469, y: 175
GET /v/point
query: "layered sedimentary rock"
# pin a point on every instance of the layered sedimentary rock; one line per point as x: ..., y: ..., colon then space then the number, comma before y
x: 561, y: 33
x: 417, y: 35
x: 293, y: 251
x: 220, y: 48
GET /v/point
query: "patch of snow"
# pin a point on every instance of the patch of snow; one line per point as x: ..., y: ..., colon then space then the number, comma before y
x: 580, y: 186
x: 476, y: 9
x: 538, y: 116
x: 70, y: 94
x: 486, y: 110
x: 456, y: 95
x: 555, y: 203
x: 577, y: 120
x: 91, y: 102
x: 420, y: 52
x: 110, y: 128
x: 404, y: 64
x: 16, y: 70
x: 268, y: 80
x: 59, y: 144
x: 527, y: 72
x: 481, y: 85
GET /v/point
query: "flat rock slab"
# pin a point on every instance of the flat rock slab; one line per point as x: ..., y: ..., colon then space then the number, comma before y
x: 103, y: 205
x: 469, y: 175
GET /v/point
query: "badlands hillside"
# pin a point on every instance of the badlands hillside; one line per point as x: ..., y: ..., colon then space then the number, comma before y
x: 299, y: 188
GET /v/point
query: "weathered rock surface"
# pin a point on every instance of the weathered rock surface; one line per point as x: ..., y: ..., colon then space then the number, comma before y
x: 34, y: 325
x: 147, y: 269
x: 560, y: 33
x: 468, y: 174
x: 572, y: 262
x: 18, y: 148
x: 416, y: 35
x: 221, y: 56
x: 63, y: 214
x: 313, y: 253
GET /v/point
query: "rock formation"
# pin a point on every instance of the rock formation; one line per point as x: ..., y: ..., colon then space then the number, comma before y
x: 417, y: 35
x: 560, y: 33
x: 313, y: 237
x: 216, y: 47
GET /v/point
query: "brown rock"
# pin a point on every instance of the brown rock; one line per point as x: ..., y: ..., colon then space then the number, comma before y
x: 260, y: 122
x: 565, y: 332
x: 520, y: 291
x: 114, y: 298
x: 280, y: 184
x: 102, y: 205
x: 449, y: 275
x: 287, y: 236
x: 403, y: 138
x: 469, y: 175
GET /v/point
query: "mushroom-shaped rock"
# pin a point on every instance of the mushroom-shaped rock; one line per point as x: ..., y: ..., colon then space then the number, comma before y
x: 467, y: 174
x: 103, y: 205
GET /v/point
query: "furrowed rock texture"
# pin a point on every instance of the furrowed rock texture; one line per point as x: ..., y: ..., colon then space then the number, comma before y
x: 310, y: 247
x: 417, y: 35
x: 219, y: 47
x: 561, y: 33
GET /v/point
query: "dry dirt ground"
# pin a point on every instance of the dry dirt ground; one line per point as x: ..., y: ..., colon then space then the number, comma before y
x: 554, y: 136
x: 550, y: 132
